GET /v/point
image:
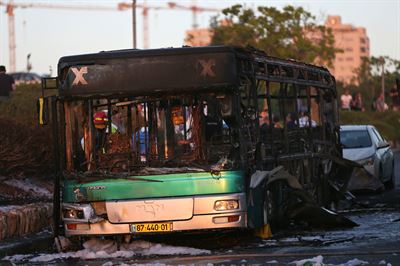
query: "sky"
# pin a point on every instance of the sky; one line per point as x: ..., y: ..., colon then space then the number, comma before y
x: 48, y: 34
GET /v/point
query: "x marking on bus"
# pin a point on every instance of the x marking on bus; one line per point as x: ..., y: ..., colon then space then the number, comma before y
x: 79, y: 75
x: 207, y: 67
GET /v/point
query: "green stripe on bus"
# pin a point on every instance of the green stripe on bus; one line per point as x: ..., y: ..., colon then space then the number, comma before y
x: 172, y: 185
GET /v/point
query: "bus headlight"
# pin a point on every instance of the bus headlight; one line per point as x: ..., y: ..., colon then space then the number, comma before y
x: 73, y: 214
x: 225, y: 205
x: 73, y: 211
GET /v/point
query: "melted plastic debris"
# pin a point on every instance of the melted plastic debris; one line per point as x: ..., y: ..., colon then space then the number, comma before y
x: 316, y: 261
x: 107, y: 249
x: 109, y: 263
x: 355, y: 262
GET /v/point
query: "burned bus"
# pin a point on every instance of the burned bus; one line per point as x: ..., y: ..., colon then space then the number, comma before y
x: 188, y: 139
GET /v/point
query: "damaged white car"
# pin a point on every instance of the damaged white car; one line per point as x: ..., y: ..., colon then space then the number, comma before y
x: 364, y: 145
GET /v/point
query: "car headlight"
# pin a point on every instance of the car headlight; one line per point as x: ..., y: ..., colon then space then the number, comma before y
x: 73, y: 214
x: 367, y: 162
x: 224, y: 205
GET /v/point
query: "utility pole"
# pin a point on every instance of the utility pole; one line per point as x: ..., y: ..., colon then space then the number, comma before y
x: 383, y: 77
x: 134, y: 23
x: 195, y: 25
x: 145, y: 25
x: 11, y: 34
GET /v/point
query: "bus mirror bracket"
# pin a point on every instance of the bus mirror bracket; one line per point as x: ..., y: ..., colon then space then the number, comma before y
x: 43, y: 110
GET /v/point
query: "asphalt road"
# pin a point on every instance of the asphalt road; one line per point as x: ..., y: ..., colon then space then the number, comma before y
x: 376, y: 240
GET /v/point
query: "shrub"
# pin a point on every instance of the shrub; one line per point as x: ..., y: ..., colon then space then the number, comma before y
x: 388, y: 123
x: 25, y: 148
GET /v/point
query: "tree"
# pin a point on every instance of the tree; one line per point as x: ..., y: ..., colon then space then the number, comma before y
x: 290, y: 33
x: 369, y: 74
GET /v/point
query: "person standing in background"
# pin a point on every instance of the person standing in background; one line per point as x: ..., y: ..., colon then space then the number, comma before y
x: 380, y: 105
x: 357, y: 103
x: 346, y: 99
x: 7, y: 84
x: 394, y: 94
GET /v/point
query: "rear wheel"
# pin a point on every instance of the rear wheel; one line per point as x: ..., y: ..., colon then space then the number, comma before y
x: 390, y: 183
x: 274, y: 206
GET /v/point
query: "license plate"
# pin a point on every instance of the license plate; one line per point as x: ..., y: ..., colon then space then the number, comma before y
x: 151, y: 227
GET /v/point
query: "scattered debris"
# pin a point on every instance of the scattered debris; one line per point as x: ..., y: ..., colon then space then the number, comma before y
x: 316, y: 261
x: 361, y: 179
x: 103, y: 249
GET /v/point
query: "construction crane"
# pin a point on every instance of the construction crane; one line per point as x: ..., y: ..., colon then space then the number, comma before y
x: 11, y: 5
x: 195, y: 9
x: 170, y: 6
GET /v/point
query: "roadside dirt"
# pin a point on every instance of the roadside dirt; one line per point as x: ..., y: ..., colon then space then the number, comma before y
x: 25, y: 190
x: 25, y: 149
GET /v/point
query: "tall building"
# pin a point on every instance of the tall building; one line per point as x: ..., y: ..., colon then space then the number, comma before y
x: 354, y: 43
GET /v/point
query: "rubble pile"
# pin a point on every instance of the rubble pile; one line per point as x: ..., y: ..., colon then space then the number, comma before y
x: 24, y: 149
x: 24, y: 219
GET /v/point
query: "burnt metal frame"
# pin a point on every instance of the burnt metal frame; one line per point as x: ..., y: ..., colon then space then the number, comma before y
x: 57, y: 166
x: 285, y: 72
x: 252, y: 66
x: 301, y: 74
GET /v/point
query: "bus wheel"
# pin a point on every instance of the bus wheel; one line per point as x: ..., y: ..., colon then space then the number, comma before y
x: 274, y: 210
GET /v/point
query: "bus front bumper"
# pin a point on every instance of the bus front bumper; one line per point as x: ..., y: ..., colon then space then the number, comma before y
x: 203, y: 216
x: 200, y: 222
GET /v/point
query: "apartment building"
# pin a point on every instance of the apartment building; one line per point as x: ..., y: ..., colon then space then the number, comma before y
x: 198, y: 37
x: 354, y: 43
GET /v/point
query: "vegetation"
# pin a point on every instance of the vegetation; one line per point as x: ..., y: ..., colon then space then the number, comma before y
x: 288, y: 33
x: 25, y: 148
x: 22, y: 104
x: 388, y: 123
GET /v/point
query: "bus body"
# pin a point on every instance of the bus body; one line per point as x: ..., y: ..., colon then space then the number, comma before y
x: 187, y: 131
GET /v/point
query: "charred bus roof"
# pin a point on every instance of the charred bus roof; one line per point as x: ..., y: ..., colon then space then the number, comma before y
x: 175, y: 70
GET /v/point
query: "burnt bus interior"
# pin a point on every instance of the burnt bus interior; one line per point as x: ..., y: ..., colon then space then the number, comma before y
x: 273, y: 112
x: 155, y: 132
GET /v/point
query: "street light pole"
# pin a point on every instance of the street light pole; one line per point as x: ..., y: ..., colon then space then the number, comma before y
x: 134, y: 23
x: 383, y: 78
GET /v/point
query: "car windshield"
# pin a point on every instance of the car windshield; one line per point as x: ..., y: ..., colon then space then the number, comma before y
x: 355, y: 139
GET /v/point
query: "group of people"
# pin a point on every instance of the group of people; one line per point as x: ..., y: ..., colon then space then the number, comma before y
x: 378, y: 103
x: 292, y: 120
x: 352, y: 102
x: 355, y: 102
